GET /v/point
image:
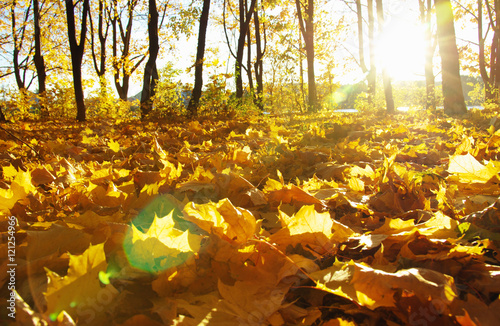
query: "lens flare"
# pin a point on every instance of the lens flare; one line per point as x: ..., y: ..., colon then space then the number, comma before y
x: 161, y: 244
x: 339, y: 96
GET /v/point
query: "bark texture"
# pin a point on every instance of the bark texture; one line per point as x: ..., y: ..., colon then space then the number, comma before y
x: 200, y: 55
x: 454, y: 103
x: 150, y: 71
x: 77, y: 48
x: 306, y: 23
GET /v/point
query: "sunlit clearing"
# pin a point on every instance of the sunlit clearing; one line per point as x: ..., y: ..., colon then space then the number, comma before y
x: 400, y: 49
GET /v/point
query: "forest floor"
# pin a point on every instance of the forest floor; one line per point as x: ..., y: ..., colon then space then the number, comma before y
x: 333, y: 219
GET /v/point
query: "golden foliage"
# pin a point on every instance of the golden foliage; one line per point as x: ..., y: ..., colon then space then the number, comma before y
x: 253, y: 222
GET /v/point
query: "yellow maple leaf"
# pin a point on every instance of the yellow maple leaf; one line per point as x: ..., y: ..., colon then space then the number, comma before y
x: 339, y: 322
x: 362, y: 172
x: 158, y: 150
x: 374, y: 288
x: 231, y: 223
x: 308, y: 226
x: 280, y: 176
x: 169, y: 170
x: 9, y: 172
x: 88, y: 131
x: 439, y: 226
x: 89, y: 140
x: 161, y: 247
x: 80, y: 292
x: 272, y: 185
x: 114, y: 146
x: 395, y: 225
x: 242, y: 155
x: 20, y: 187
x: 469, y: 169
x: 356, y: 184
x: 251, y: 301
x: 292, y: 194
x: 307, y: 220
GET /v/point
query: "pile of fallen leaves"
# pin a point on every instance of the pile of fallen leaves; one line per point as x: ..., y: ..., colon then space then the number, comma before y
x: 328, y: 220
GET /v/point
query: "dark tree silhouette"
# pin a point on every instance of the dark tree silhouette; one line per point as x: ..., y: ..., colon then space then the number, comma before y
x: 245, y: 17
x: 2, y: 116
x: 371, y: 72
x: 77, y: 49
x: 150, y: 71
x: 198, y: 65
x: 430, y: 48
x: 99, y: 57
x: 389, y: 100
x: 18, y: 36
x: 38, y: 57
x: 259, y: 68
x: 491, y: 80
x: 125, y: 34
x: 454, y: 103
x: 306, y: 24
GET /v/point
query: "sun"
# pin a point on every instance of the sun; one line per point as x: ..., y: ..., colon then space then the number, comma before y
x: 400, y: 49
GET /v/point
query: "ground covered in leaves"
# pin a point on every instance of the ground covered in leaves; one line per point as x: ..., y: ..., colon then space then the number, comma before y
x: 327, y: 220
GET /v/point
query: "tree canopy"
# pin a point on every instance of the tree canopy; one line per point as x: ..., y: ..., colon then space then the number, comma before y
x: 273, y: 55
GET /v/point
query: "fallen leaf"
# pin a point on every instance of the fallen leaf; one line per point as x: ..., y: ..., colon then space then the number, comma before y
x: 80, y: 293
x: 114, y: 146
x: 469, y: 169
x: 20, y: 187
x: 161, y: 247
x: 375, y: 288
x: 310, y: 227
x: 233, y: 224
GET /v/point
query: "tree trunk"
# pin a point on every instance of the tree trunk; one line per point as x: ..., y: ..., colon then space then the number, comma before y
x: 99, y: 60
x: 372, y: 75
x: 425, y: 17
x: 259, y: 62
x: 454, y: 103
x: 307, y: 28
x: 249, y: 58
x: 488, y: 86
x: 244, y: 23
x: 122, y: 88
x: 38, y: 59
x: 361, y: 44
x: 77, y: 49
x: 126, y: 35
x: 18, y: 43
x: 491, y: 93
x: 200, y: 54
x: 301, y: 72
x: 389, y: 100
x: 495, y: 55
x: 239, y: 50
x: 491, y: 87
x: 150, y: 72
x: 2, y: 116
